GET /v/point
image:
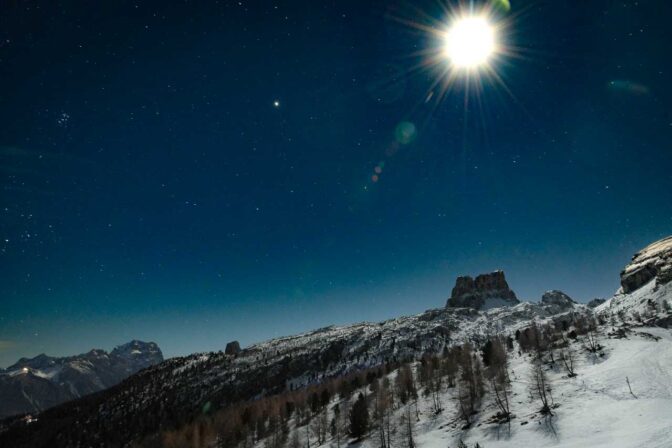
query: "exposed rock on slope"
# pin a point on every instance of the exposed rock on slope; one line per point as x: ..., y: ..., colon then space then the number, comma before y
x: 646, y: 285
x: 558, y: 300
x: 232, y: 348
x: 596, y: 302
x: 35, y: 384
x: 483, y: 292
x: 652, y: 262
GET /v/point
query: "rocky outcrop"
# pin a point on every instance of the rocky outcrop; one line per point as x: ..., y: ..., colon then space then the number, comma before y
x: 232, y: 348
x: 595, y: 303
x: 137, y: 355
x: 485, y: 291
x: 555, y: 297
x: 35, y: 384
x: 557, y: 300
x: 652, y: 262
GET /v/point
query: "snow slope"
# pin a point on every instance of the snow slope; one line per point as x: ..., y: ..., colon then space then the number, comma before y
x: 639, y: 301
x: 594, y: 409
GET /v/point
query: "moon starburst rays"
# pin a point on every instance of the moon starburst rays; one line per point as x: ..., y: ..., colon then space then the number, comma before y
x: 465, y: 48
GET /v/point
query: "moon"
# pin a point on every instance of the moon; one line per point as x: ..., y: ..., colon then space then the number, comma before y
x: 469, y: 42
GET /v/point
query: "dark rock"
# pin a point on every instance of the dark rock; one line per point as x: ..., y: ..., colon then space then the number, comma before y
x: 652, y: 262
x: 232, y: 348
x: 664, y: 322
x: 595, y: 303
x: 558, y: 301
x: 474, y: 293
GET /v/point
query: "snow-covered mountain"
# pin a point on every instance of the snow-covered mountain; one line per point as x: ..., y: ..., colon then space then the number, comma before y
x: 621, y: 397
x: 596, y: 406
x: 34, y: 384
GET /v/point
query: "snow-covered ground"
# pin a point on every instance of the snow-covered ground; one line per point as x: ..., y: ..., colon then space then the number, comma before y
x: 639, y: 301
x: 594, y: 409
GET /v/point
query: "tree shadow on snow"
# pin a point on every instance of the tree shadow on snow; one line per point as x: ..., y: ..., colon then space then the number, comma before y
x: 547, y: 426
x: 500, y: 431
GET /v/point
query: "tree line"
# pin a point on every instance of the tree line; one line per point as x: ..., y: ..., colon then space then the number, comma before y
x: 382, y: 402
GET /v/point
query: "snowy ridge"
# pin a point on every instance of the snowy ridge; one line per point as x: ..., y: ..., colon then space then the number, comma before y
x: 597, y: 395
x: 184, y: 386
x: 594, y: 409
x: 643, y: 301
x: 35, y: 384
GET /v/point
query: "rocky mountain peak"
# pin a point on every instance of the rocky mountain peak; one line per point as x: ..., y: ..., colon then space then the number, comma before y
x: 555, y: 297
x: 135, y: 348
x: 557, y: 300
x: 35, y: 384
x: 485, y: 291
x: 596, y: 302
x: 652, y: 262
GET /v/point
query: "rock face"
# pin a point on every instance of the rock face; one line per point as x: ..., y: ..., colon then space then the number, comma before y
x: 35, y: 384
x: 555, y: 297
x: 558, y: 300
x: 595, y: 303
x: 232, y: 348
x: 652, y: 262
x: 485, y: 291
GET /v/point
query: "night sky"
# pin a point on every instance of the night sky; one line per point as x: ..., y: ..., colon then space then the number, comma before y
x: 196, y: 172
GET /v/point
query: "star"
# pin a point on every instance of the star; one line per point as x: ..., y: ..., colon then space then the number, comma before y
x: 276, y: 103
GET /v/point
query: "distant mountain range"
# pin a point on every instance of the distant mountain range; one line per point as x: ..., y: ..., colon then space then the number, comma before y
x: 35, y: 384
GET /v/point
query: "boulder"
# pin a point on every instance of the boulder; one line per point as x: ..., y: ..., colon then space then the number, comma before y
x: 485, y: 291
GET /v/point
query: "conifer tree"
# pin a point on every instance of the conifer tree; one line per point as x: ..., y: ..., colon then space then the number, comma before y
x: 359, y: 418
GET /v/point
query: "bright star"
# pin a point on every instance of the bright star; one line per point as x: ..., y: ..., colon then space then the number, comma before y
x: 276, y: 104
x: 469, y: 42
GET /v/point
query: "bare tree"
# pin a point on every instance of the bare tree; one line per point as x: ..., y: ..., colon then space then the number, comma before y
x: 295, y: 441
x: 383, y: 402
x: 449, y: 367
x: 498, y: 375
x: 406, y: 387
x: 590, y: 340
x: 318, y: 427
x: 431, y: 381
x: 336, y: 425
x: 567, y: 358
x: 408, y: 432
x: 343, y: 420
x: 470, y: 384
x: 540, y: 388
